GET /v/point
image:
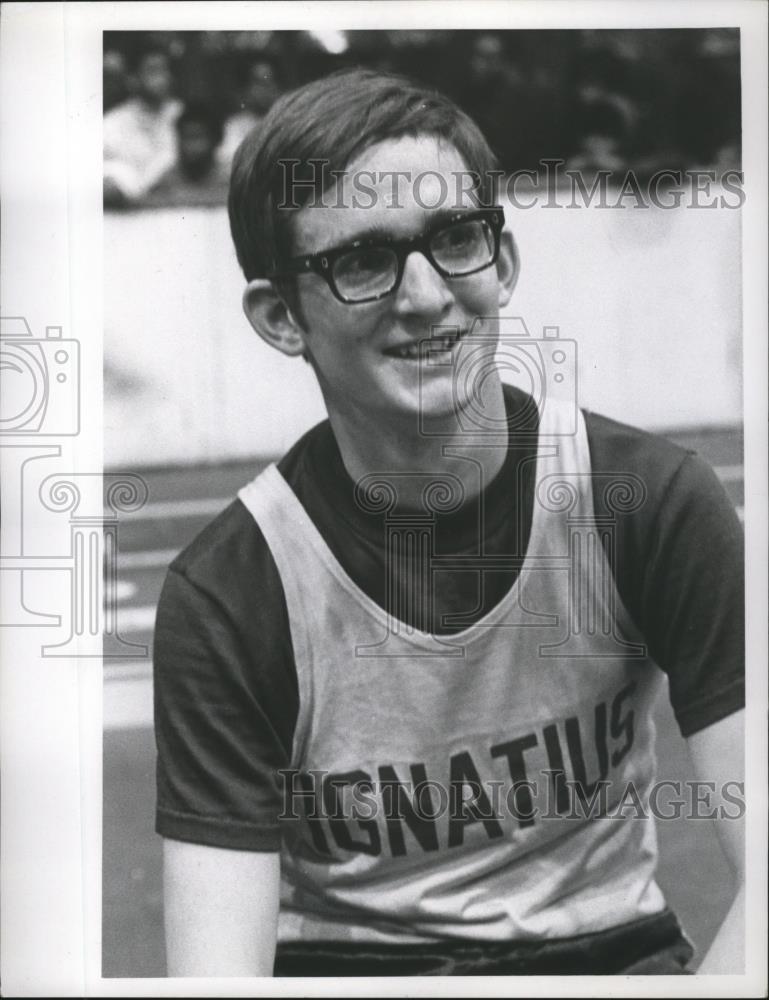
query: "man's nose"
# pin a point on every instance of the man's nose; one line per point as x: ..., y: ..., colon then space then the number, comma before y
x: 422, y: 290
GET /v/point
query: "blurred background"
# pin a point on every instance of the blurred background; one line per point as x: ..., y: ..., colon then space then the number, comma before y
x: 197, y: 404
x: 648, y: 294
x: 614, y: 99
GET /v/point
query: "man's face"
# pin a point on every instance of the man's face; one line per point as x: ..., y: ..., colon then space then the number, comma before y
x: 261, y: 91
x: 355, y: 348
x: 154, y: 78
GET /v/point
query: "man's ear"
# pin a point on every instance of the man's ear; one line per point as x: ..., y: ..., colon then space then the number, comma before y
x: 508, y: 266
x: 269, y: 315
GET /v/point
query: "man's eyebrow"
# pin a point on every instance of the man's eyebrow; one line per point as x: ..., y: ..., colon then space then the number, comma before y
x: 377, y: 230
x: 374, y: 231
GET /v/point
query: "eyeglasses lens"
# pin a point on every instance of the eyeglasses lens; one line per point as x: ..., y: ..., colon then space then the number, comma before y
x: 463, y: 247
x: 458, y: 249
x: 365, y: 273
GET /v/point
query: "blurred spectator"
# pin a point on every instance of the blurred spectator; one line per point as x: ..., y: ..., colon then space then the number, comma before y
x: 259, y: 90
x: 709, y: 102
x: 198, y: 177
x: 599, y: 98
x: 607, y: 83
x: 493, y: 91
x: 488, y: 61
x: 602, y: 128
x: 139, y: 138
x: 114, y: 83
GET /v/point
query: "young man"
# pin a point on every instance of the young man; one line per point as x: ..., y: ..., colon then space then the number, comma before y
x: 139, y: 134
x: 388, y: 679
x: 258, y: 92
x: 198, y: 177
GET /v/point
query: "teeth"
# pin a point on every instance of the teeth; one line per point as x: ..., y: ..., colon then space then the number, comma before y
x: 437, y: 345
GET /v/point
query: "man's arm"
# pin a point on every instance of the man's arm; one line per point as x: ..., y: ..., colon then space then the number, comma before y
x: 221, y: 910
x: 717, y: 753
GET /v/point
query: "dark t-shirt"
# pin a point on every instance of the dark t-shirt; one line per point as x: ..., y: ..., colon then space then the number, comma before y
x: 226, y: 697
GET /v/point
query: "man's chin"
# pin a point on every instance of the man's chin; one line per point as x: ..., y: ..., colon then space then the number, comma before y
x: 440, y: 407
x: 460, y: 410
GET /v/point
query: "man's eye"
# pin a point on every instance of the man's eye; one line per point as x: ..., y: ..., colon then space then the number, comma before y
x: 363, y: 262
x: 459, y: 238
x: 369, y: 260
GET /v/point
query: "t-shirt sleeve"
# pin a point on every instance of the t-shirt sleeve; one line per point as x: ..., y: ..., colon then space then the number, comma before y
x: 225, y: 704
x: 694, y: 596
x: 678, y: 565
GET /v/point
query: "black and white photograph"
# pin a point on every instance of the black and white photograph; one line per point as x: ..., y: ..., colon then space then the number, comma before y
x: 385, y: 495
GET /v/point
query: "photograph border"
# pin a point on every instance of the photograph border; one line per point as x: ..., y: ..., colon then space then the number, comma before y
x: 52, y: 270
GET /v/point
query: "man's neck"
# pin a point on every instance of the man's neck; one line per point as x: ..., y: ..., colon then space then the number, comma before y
x: 151, y: 105
x: 449, y: 448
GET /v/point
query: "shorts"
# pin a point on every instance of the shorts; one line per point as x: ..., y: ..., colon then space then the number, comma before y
x: 651, y: 946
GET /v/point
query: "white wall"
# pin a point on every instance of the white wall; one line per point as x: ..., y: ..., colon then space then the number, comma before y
x: 186, y: 378
x: 652, y: 298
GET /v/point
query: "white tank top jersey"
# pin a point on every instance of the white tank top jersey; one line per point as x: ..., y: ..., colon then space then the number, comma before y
x: 412, y: 743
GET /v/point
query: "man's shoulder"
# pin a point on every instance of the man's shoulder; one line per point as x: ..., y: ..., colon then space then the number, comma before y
x: 614, y: 446
x: 231, y: 541
x: 232, y: 546
x: 121, y: 121
x: 673, y: 478
x: 127, y: 109
x: 312, y: 448
x: 132, y: 110
x: 620, y: 447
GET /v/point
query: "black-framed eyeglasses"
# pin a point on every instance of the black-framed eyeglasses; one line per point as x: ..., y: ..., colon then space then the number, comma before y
x: 369, y: 269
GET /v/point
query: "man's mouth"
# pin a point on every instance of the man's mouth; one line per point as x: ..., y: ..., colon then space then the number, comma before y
x: 429, y: 347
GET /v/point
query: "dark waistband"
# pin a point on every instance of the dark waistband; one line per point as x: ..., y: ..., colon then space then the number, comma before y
x: 608, y: 952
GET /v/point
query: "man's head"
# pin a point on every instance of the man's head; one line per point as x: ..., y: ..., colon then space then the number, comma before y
x: 423, y: 162
x: 114, y: 84
x: 199, y: 133
x: 332, y: 121
x: 487, y: 56
x: 152, y: 71
x: 260, y: 86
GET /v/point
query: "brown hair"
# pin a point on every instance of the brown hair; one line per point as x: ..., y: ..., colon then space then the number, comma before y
x: 319, y: 129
